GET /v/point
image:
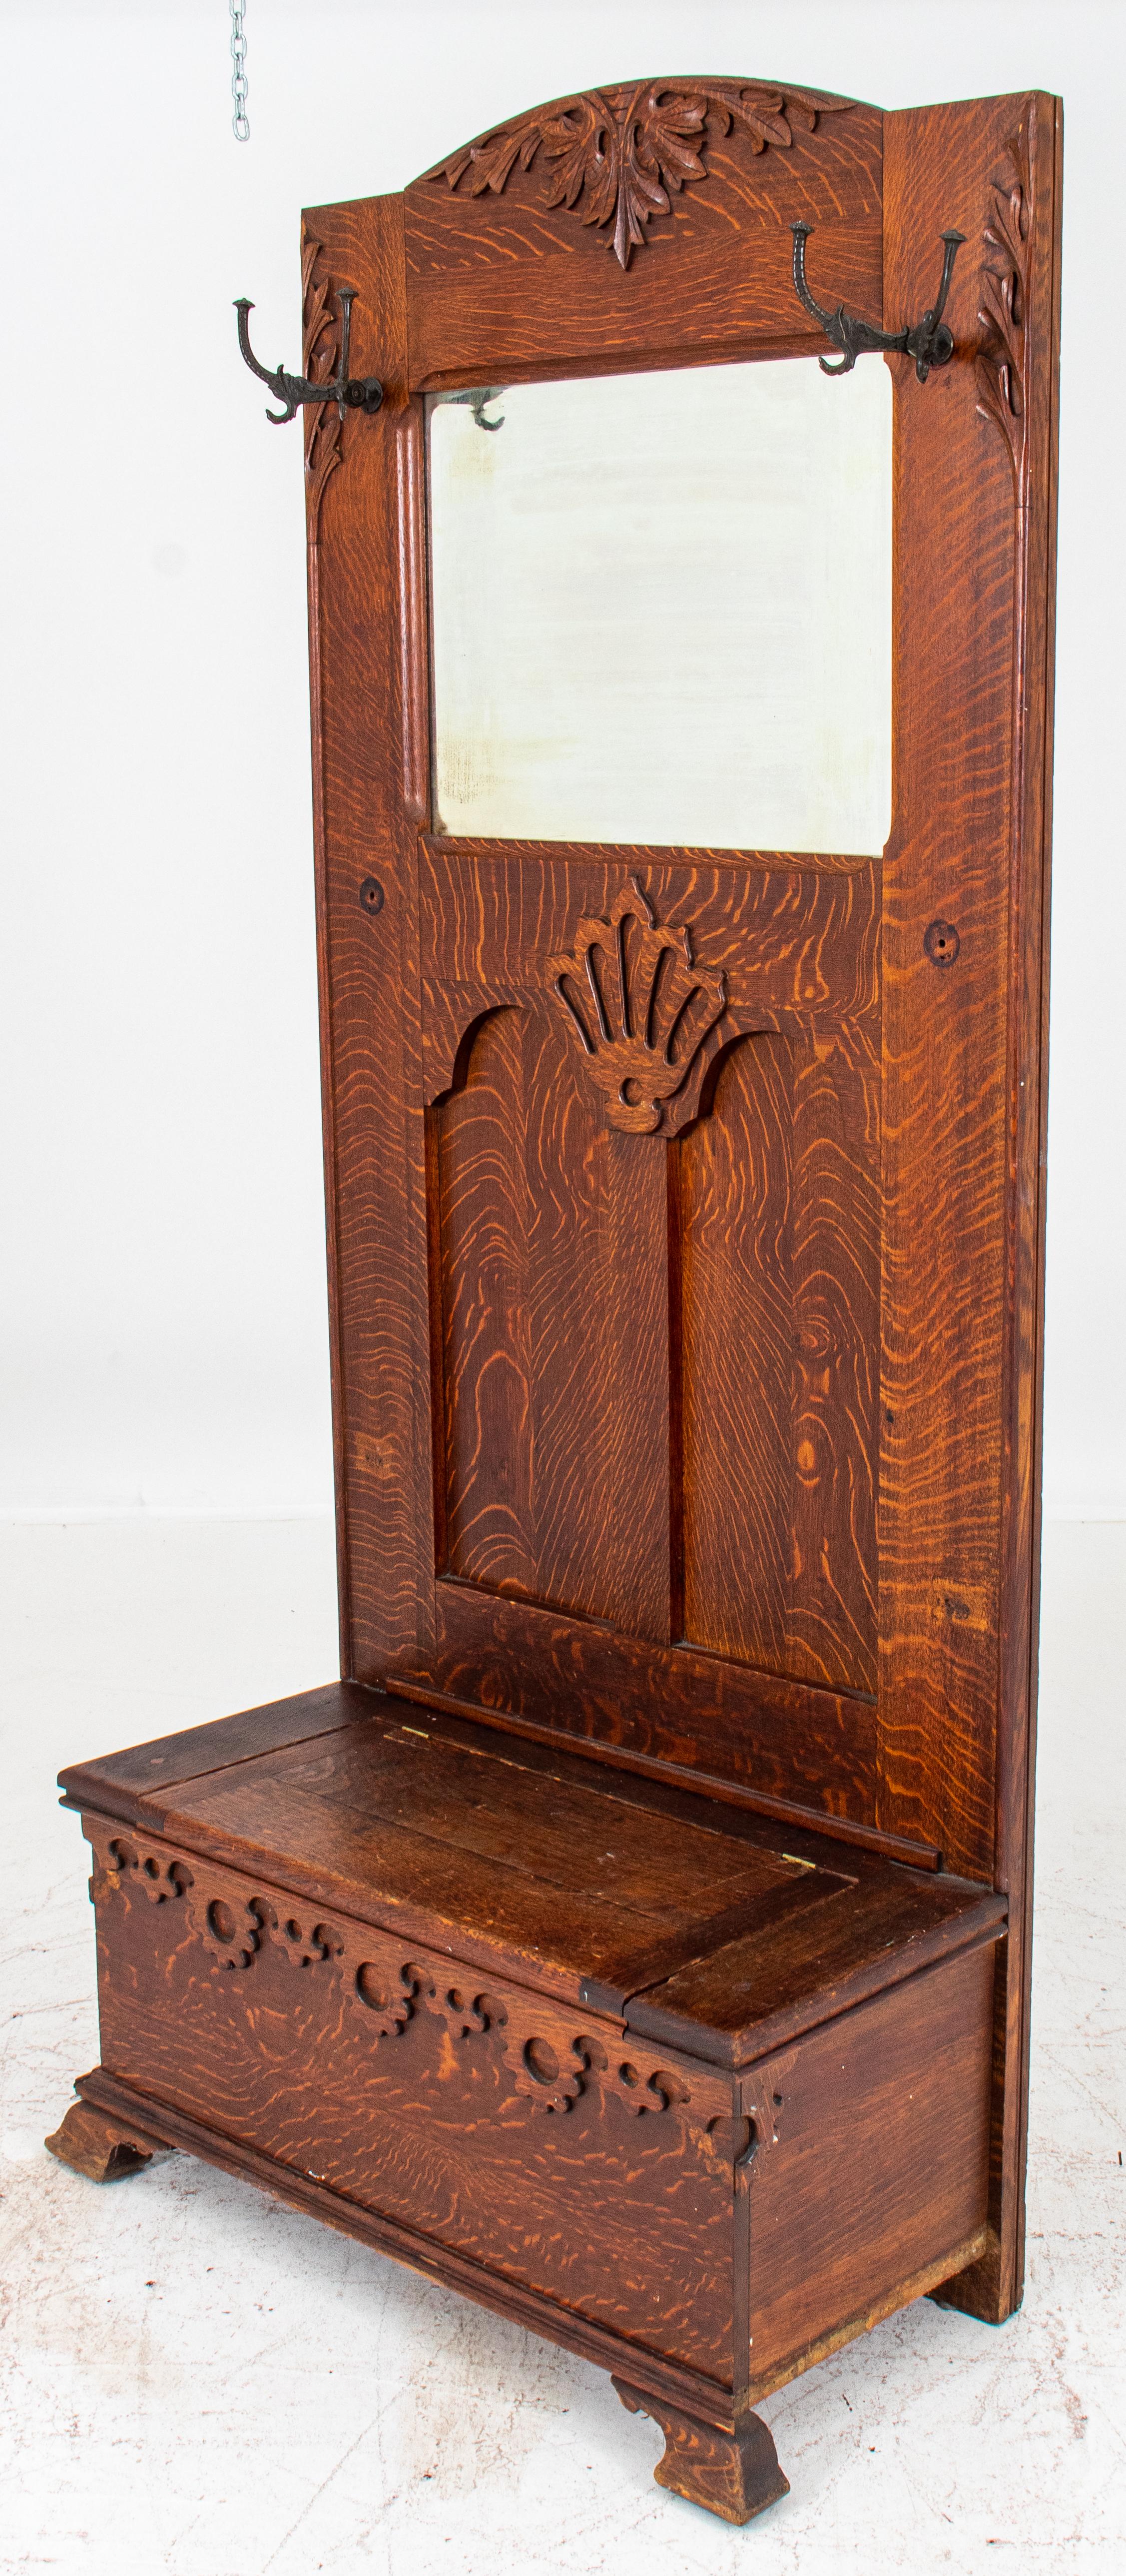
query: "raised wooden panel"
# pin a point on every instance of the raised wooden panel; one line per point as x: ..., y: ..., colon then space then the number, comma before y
x: 897, y: 2094
x: 655, y: 1345
x: 550, y: 1274
x: 779, y: 1240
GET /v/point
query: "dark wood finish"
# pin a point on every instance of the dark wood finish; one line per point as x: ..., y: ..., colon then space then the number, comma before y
x: 666, y: 1850
x: 896, y: 2095
x: 659, y: 1771
x: 595, y: 1885
x: 962, y: 1530
x: 381, y: 2029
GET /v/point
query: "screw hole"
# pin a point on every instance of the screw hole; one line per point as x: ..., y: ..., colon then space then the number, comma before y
x: 941, y: 943
x: 371, y: 895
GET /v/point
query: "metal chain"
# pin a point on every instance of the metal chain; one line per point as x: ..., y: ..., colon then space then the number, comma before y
x: 239, y: 121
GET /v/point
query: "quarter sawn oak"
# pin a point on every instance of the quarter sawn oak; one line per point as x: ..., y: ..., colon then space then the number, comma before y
x: 636, y: 1938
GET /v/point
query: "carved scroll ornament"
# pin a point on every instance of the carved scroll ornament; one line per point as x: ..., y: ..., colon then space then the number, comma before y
x: 621, y: 154
x: 640, y: 1014
x: 547, y: 2064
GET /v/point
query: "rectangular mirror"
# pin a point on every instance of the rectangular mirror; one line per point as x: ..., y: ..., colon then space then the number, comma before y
x: 661, y: 609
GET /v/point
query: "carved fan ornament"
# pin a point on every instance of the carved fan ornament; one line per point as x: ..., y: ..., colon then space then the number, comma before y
x: 640, y: 1014
x: 624, y: 151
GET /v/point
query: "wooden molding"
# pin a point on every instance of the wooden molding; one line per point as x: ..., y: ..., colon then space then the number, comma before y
x: 620, y: 154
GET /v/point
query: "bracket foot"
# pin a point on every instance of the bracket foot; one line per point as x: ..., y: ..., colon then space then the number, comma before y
x: 94, y: 2145
x: 733, y: 2474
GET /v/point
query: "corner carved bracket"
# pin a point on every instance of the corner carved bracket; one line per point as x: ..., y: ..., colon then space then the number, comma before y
x: 620, y: 155
x: 640, y: 1014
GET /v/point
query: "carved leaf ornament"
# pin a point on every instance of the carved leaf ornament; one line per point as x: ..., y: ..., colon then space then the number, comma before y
x: 1004, y: 285
x: 640, y: 1014
x: 320, y: 354
x: 620, y: 155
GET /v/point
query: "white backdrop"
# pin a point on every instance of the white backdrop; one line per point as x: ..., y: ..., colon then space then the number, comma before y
x: 163, y: 1337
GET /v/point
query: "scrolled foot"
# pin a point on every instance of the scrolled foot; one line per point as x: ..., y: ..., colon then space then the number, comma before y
x: 733, y: 2474
x: 94, y: 2145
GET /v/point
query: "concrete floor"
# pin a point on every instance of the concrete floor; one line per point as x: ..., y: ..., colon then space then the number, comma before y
x: 201, y: 2383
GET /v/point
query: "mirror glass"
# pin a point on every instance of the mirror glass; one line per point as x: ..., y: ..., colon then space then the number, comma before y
x: 662, y: 609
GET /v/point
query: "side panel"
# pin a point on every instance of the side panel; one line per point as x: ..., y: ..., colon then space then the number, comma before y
x: 881, y: 2166
x: 965, y: 1058
x: 368, y: 658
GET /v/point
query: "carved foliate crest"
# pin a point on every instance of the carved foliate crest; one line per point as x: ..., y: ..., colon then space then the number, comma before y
x: 640, y: 1014
x: 619, y: 156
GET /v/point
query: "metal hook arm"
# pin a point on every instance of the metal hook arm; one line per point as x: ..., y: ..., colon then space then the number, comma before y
x: 929, y: 342
x: 357, y: 393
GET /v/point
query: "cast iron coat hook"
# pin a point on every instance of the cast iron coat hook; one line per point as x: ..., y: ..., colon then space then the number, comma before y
x: 358, y: 393
x: 929, y: 342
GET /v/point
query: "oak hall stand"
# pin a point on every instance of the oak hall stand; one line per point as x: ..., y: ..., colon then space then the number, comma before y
x: 637, y: 1937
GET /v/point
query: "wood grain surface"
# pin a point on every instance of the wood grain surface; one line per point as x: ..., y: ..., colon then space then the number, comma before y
x: 686, y: 1370
x: 424, y: 2123
x: 896, y: 2095
x: 501, y: 285
x: 706, y: 1930
x: 966, y: 1064
x: 639, y: 2191
x: 859, y: 1644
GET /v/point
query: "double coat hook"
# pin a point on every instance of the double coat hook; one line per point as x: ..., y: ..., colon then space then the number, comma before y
x: 929, y: 342
x: 354, y: 393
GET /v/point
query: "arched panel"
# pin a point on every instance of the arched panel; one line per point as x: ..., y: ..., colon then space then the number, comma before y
x: 548, y: 1265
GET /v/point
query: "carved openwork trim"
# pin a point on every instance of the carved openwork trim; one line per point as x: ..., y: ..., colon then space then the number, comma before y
x: 640, y: 1014
x: 1004, y: 291
x: 620, y: 154
x: 548, y: 2062
x: 320, y: 356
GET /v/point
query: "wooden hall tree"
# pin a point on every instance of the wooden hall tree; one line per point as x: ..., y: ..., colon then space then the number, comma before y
x: 636, y: 1937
